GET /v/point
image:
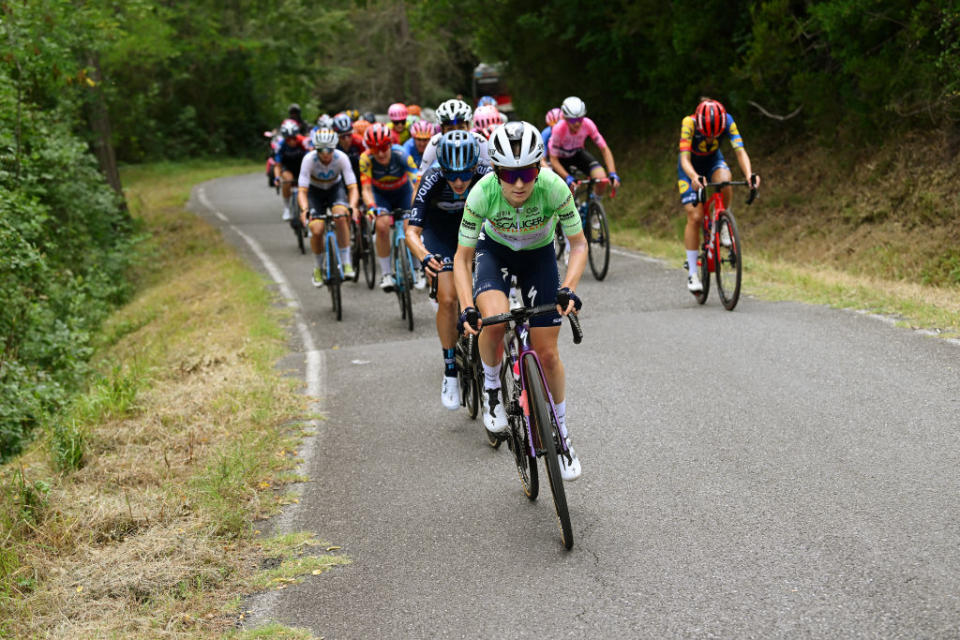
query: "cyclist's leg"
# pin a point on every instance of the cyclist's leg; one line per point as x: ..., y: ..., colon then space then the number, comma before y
x: 342, y: 224
x: 592, y: 167
x: 720, y: 172
x: 286, y: 183
x: 538, y: 281
x: 382, y: 227
x: 694, y: 212
x: 318, y: 200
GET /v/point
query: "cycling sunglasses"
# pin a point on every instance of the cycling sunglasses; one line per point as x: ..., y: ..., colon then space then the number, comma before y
x: 573, y: 120
x: 326, y: 149
x: 452, y: 176
x: 527, y: 174
x: 399, y: 122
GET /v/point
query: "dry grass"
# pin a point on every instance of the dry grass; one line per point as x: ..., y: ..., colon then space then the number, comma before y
x: 153, y: 536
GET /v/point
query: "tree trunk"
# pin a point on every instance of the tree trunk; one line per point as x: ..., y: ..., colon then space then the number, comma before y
x: 99, y: 118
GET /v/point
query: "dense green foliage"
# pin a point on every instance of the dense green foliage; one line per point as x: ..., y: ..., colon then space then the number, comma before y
x: 64, y: 237
x: 852, y: 65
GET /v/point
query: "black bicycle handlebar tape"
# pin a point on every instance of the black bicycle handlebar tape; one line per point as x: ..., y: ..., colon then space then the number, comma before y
x: 575, y: 328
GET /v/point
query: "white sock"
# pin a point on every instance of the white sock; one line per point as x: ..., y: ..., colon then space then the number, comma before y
x: 561, y: 408
x: 319, y: 258
x: 491, y: 376
x: 385, y: 266
x: 692, y: 256
x: 345, y: 256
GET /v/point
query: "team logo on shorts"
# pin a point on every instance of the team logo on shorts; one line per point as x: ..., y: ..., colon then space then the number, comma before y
x: 683, y: 185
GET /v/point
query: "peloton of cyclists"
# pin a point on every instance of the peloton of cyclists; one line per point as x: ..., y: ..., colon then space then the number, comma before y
x: 436, y: 214
x: 327, y: 181
x: 508, y: 227
x: 699, y: 157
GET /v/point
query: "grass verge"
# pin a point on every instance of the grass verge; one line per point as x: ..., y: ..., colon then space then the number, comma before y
x: 133, y: 515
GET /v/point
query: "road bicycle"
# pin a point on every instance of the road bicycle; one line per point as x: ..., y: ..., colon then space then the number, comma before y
x: 533, y: 429
x: 403, y: 265
x: 295, y: 223
x: 595, y: 226
x: 332, y: 269
x: 362, y: 248
x: 721, y: 252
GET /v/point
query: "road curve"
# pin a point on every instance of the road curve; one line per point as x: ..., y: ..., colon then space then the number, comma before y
x: 781, y: 471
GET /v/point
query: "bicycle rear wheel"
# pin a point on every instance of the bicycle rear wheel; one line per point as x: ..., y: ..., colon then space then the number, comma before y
x: 549, y: 434
x: 367, y: 252
x: 356, y: 248
x: 406, y: 269
x: 469, y: 387
x: 729, y: 261
x: 598, y: 240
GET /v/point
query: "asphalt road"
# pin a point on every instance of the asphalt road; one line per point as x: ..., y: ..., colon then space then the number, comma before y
x: 781, y: 471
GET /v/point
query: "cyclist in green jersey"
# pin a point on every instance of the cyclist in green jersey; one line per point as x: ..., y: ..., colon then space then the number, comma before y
x: 508, y: 225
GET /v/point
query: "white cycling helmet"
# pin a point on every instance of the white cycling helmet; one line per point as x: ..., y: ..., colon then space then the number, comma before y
x: 324, y: 139
x: 515, y: 145
x: 454, y: 112
x: 573, y: 107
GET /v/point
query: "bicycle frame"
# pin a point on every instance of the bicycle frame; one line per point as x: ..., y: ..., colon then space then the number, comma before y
x: 330, y: 241
x: 399, y: 240
x: 712, y: 208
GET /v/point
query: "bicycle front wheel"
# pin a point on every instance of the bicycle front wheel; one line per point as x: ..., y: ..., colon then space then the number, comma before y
x: 406, y: 267
x: 598, y: 240
x: 295, y: 223
x: 333, y: 280
x: 729, y: 261
x: 367, y: 252
x: 518, y: 434
x: 549, y: 434
x: 469, y: 382
x: 356, y: 248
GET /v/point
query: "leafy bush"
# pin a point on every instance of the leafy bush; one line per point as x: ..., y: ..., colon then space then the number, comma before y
x: 66, y: 246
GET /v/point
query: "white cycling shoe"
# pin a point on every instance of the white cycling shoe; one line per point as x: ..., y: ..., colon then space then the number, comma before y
x: 693, y: 283
x: 569, y: 472
x: 725, y: 237
x: 419, y: 280
x: 387, y: 283
x: 494, y: 416
x: 450, y: 393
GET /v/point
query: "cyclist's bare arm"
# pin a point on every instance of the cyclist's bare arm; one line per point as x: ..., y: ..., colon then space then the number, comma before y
x: 368, y: 200
x: 744, y: 161
x: 353, y: 196
x: 463, y: 275
x: 688, y: 167
x: 303, y: 201
x: 608, y: 160
x: 578, y: 262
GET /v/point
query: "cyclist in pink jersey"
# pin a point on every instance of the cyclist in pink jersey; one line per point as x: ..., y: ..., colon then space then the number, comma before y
x: 566, y: 145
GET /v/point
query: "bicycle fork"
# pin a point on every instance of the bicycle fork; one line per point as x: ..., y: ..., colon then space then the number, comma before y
x: 520, y: 373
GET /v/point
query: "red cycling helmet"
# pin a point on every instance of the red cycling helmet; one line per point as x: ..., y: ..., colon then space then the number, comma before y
x: 710, y: 118
x: 377, y: 137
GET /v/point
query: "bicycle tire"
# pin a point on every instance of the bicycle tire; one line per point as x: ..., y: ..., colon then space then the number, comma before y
x: 356, y: 248
x: 367, y: 253
x: 729, y: 292
x: 559, y: 242
x: 295, y: 222
x: 519, y: 435
x: 469, y: 387
x: 548, y: 432
x: 334, y: 279
x: 407, y: 274
x: 598, y: 240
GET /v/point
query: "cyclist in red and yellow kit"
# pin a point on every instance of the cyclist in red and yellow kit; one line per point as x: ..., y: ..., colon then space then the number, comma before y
x: 700, y: 158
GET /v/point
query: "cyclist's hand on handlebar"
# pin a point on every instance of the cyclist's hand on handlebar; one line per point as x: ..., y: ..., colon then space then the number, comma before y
x: 431, y: 264
x: 754, y: 180
x: 470, y: 321
x: 570, y: 180
x: 614, y: 179
x: 567, y: 301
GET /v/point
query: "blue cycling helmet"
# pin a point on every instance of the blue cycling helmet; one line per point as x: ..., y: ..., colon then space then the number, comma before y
x: 487, y: 100
x: 458, y: 151
x: 342, y: 123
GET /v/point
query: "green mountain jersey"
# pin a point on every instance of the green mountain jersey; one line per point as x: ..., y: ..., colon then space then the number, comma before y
x: 528, y: 227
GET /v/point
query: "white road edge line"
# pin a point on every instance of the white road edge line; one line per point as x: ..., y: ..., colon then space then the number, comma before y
x: 266, y: 602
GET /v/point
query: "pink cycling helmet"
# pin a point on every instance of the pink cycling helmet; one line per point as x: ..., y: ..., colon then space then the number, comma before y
x: 397, y: 111
x: 553, y: 116
x: 485, y: 116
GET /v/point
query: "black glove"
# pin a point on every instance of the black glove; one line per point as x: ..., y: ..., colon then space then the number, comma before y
x: 312, y: 213
x: 425, y: 263
x: 753, y: 180
x: 471, y: 316
x: 564, y: 296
